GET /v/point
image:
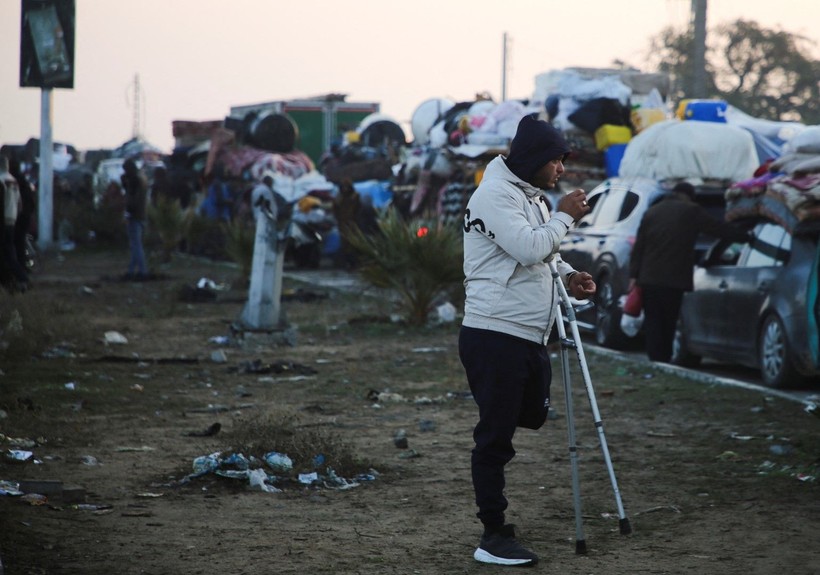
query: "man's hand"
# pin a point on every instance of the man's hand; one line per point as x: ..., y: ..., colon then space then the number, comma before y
x: 581, y: 285
x: 575, y: 204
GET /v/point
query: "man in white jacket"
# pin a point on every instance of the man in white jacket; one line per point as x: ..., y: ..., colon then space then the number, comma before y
x: 510, y: 308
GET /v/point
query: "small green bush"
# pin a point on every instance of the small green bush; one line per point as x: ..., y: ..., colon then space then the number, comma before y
x: 239, y: 243
x: 419, y: 260
x: 169, y: 221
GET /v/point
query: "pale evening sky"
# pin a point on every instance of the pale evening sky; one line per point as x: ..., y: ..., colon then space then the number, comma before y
x: 197, y: 58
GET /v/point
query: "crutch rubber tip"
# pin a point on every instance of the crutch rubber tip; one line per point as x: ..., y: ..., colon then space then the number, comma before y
x: 626, y: 528
x: 581, y: 547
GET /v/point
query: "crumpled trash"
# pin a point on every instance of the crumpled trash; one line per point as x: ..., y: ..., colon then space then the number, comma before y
x: 18, y: 455
x: 115, y: 338
x: 257, y: 479
x: 279, y: 462
x: 308, y: 478
x: 10, y: 488
x: 400, y: 439
x: 206, y: 463
x: 446, y: 313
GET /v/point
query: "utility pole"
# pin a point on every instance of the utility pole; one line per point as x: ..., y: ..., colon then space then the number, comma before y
x: 504, y: 68
x: 698, y: 49
x: 135, y: 128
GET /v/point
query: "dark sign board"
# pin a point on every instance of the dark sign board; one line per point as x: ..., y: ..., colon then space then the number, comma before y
x: 47, y: 44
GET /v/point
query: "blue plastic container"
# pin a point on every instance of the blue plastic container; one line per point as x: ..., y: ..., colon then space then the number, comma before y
x: 706, y: 111
x: 612, y: 159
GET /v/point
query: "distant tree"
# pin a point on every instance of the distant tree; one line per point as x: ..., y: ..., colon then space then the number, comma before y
x: 766, y: 73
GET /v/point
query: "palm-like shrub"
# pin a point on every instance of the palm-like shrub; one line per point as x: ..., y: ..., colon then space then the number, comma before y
x: 417, y: 259
x: 240, y: 238
x: 169, y: 221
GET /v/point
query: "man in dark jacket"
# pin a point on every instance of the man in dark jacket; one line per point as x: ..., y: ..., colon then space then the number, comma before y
x: 663, y: 259
x: 136, y: 195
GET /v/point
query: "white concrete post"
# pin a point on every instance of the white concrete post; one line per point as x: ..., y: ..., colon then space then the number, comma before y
x: 263, y: 308
x: 45, y: 183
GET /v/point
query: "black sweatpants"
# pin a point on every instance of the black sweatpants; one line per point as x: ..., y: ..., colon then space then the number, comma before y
x: 661, y: 307
x: 510, y: 381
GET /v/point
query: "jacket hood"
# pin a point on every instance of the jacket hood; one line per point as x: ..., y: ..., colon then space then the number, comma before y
x: 535, y: 144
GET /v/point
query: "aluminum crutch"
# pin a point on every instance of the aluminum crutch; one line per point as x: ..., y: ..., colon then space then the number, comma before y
x: 623, y: 520
x: 580, y: 540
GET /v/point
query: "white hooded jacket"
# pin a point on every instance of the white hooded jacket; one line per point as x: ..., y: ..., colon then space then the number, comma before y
x: 509, y: 236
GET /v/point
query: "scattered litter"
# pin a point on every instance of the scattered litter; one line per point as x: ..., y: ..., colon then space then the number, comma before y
x: 220, y: 339
x: 279, y: 367
x: 778, y: 449
x: 383, y: 396
x: 446, y: 313
x: 58, y: 352
x: 659, y: 434
x: 148, y: 495
x: 115, y: 338
x: 91, y: 507
x: 672, y: 508
x: 428, y: 349
x: 205, y: 283
x: 71, y: 386
x: 206, y: 463
x: 279, y: 462
x: 734, y: 435
x: 400, y: 439
x: 10, y: 488
x: 219, y: 356
x: 426, y: 425
x: 258, y: 478
x: 89, y: 460
x: 21, y: 442
x: 18, y: 455
x: 141, y: 449
x: 210, y: 431
x: 409, y: 454
x: 137, y: 387
x: 34, y: 498
x: 728, y: 455
x: 308, y: 478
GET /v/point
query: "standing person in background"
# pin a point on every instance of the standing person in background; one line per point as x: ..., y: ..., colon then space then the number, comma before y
x: 510, y: 307
x: 27, y: 207
x: 11, y: 208
x: 663, y: 260
x: 136, y: 196
x: 347, y: 206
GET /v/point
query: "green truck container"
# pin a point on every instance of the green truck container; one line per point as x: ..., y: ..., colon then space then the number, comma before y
x: 318, y: 120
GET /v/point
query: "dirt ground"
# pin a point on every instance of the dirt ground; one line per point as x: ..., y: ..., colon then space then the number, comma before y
x: 713, y: 479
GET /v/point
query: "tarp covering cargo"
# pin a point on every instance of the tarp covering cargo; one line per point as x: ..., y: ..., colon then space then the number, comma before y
x: 786, y: 190
x: 691, y: 149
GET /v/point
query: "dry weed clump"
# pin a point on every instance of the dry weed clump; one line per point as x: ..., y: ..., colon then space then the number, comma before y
x: 285, y: 432
x: 31, y: 323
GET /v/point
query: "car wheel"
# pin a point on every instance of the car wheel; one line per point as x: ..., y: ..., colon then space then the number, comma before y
x: 608, y: 315
x: 774, y: 355
x: 680, y: 353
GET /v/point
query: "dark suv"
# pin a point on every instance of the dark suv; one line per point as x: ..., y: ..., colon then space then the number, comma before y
x: 601, y: 243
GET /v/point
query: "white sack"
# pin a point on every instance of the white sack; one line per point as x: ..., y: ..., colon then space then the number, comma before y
x: 691, y: 149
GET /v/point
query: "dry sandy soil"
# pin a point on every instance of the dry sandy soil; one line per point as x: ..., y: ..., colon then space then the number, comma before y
x: 714, y: 480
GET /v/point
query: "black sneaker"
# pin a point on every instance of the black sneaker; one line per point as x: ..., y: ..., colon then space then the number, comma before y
x: 502, y: 548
